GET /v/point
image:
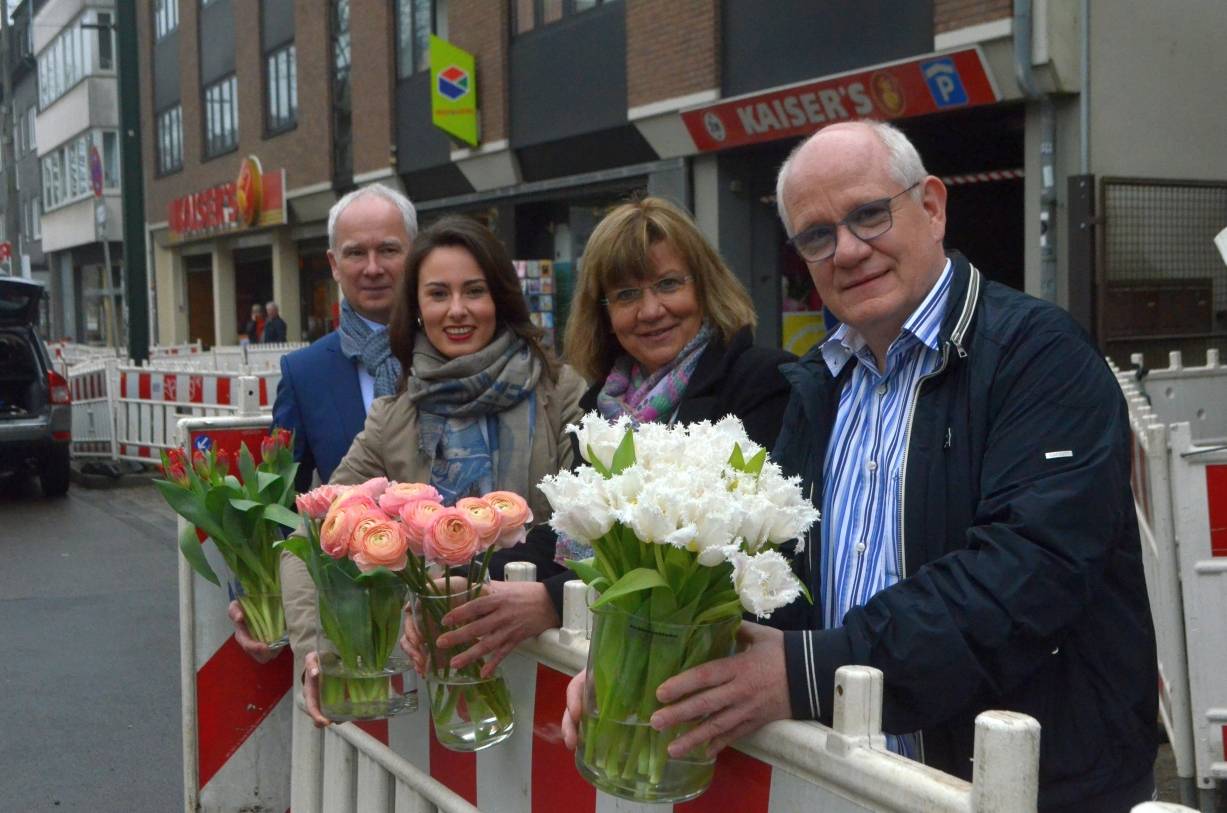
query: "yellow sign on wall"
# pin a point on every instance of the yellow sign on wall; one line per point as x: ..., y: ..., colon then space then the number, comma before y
x: 801, y: 330
x: 453, y: 91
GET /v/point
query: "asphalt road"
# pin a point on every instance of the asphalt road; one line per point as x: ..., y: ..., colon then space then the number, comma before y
x: 89, y: 652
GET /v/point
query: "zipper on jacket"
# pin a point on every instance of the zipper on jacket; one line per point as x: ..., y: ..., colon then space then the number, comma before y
x: 955, y: 341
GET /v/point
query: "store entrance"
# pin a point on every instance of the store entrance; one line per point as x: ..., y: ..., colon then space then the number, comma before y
x: 319, y: 302
x: 253, y: 285
x: 199, y: 272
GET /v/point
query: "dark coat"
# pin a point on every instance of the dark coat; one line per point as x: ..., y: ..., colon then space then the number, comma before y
x: 320, y: 399
x: 740, y: 379
x: 1024, y: 587
x: 274, y: 330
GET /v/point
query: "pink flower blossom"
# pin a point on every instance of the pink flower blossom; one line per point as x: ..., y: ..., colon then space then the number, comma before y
x: 451, y: 540
x: 373, y: 487
x: 337, y: 527
x: 485, y: 519
x: 515, y: 514
x: 418, y: 517
x: 398, y: 495
x: 379, y: 543
x: 315, y: 503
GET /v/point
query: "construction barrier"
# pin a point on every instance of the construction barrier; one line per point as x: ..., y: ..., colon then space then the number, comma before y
x: 93, y: 413
x: 236, y: 713
x: 159, y: 352
x: 786, y: 766
x: 1180, y: 491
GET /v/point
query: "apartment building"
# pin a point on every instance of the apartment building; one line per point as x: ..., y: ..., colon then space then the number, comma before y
x: 1052, y: 129
x: 78, y: 116
x: 24, y: 231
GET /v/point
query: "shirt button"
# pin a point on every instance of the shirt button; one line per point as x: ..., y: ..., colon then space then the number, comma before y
x: 881, y: 389
x: 860, y: 547
x: 872, y: 465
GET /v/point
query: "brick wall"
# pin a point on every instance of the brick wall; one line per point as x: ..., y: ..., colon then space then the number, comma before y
x: 372, y: 28
x: 304, y: 151
x: 949, y: 15
x: 672, y: 49
x: 482, y: 27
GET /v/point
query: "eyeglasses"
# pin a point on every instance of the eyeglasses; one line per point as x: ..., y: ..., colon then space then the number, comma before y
x: 664, y: 288
x: 866, y: 222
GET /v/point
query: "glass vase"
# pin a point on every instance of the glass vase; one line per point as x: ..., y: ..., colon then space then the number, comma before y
x: 262, y: 613
x: 364, y: 674
x: 629, y: 656
x: 470, y: 712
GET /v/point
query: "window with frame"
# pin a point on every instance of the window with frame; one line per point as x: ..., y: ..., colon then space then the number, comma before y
x: 36, y: 219
x: 221, y: 119
x: 530, y: 14
x: 74, y: 54
x: 416, y: 20
x: 66, y: 177
x: 169, y: 135
x: 165, y: 17
x: 31, y: 143
x: 281, y: 89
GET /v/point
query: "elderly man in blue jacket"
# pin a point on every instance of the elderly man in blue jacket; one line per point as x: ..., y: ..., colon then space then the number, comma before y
x: 327, y: 388
x: 969, y: 451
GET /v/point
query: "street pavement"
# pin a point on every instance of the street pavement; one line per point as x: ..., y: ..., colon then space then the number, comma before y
x: 89, y: 651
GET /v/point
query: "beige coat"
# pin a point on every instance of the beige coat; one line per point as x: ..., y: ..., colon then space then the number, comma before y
x: 388, y: 447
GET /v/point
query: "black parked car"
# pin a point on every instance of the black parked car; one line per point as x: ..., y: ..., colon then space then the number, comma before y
x: 35, y: 404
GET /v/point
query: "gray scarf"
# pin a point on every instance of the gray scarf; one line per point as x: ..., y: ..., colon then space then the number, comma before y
x: 476, y: 415
x: 370, y: 348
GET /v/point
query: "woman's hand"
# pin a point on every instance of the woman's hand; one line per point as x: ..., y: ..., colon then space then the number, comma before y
x: 411, y: 642
x: 505, y: 614
x: 575, y: 706
x: 311, y: 689
x: 258, y: 651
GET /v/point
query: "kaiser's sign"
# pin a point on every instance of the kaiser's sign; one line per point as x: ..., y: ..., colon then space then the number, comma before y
x: 913, y: 87
x: 252, y: 200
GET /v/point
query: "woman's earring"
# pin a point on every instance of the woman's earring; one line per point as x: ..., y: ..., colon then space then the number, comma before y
x: 419, y: 321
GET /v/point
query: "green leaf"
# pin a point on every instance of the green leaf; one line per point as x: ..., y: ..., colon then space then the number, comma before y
x: 586, y: 569
x: 245, y: 505
x: 624, y: 456
x: 297, y: 545
x: 282, y: 516
x: 596, y: 463
x: 729, y: 609
x: 191, y: 506
x: 736, y: 460
x: 193, y: 551
x: 755, y: 466
x: 641, y: 578
x: 264, y: 479
x: 247, y: 469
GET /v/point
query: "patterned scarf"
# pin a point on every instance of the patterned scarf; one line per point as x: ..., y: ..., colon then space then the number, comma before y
x: 649, y: 398
x: 369, y: 347
x: 476, y: 415
x: 646, y: 399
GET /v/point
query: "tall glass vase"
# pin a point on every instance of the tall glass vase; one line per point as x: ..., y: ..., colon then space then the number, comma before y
x: 628, y: 658
x: 364, y: 674
x: 470, y: 712
x: 262, y: 611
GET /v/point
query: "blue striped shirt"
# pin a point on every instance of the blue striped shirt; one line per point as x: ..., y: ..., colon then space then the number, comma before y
x: 861, y: 512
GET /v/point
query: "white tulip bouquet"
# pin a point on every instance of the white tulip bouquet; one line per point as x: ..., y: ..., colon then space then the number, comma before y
x: 684, y: 522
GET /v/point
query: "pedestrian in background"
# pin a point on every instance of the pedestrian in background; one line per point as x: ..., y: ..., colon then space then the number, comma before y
x: 274, y: 328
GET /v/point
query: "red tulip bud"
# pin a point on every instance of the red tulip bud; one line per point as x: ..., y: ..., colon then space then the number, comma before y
x: 222, y: 464
x: 268, y: 449
x: 177, y: 473
x: 284, y: 438
x: 201, y: 464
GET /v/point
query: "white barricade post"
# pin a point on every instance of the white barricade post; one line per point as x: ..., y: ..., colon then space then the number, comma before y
x: 164, y: 351
x: 787, y: 766
x: 236, y: 713
x: 151, y: 401
x: 1199, y: 489
x: 92, y: 386
x: 1153, y: 505
x: 1161, y: 807
x: 1180, y: 487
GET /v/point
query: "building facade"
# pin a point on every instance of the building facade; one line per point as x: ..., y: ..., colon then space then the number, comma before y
x: 77, y: 136
x: 24, y: 230
x: 584, y: 103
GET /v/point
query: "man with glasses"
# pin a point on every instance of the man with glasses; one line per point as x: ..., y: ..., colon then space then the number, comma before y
x: 969, y: 451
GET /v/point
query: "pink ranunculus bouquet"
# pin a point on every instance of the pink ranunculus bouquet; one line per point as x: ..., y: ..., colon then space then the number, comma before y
x: 383, y: 539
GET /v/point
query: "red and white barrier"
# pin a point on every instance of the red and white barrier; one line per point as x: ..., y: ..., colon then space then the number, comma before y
x: 160, y: 352
x: 787, y: 766
x: 236, y: 713
x: 93, y: 426
x: 151, y: 401
x: 1180, y: 492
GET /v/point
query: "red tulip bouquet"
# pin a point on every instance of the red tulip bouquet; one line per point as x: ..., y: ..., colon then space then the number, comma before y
x: 242, y: 515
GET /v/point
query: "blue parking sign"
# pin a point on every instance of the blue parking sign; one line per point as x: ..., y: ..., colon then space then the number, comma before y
x: 944, y: 83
